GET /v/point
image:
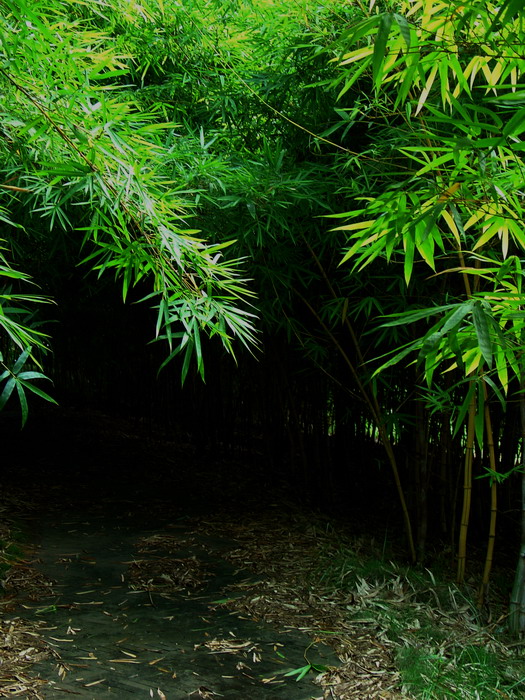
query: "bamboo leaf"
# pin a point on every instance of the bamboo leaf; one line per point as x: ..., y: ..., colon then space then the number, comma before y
x: 404, y: 29
x: 23, y: 402
x: 452, y: 226
x: 357, y: 55
x: 482, y: 319
x: 187, y: 357
x: 31, y: 375
x: 356, y: 226
x: 496, y: 391
x: 383, y: 32
x: 516, y: 124
x: 464, y: 407
x: 428, y: 86
x: 21, y: 361
x: 479, y: 420
x: 472, y: 359
x: 505, y: 12
x: 36, y: 390
x: 398, y: 356
x: 431, y: 343
x: 6, y: 393
x: 408, y: 262
x: 299, y: 672
x: 405, y: 318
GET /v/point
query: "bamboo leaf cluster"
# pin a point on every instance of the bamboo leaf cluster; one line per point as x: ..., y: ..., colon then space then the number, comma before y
x: 81, y: 156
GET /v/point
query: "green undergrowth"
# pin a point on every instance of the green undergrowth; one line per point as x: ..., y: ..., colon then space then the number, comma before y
x: 444, y: 647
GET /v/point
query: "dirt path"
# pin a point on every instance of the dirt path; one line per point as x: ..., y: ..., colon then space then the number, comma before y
x: 177, y: 574
x: 115, y: 639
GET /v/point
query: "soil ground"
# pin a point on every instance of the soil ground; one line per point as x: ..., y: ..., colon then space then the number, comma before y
x: 121, y: 627
x: 115, y: 642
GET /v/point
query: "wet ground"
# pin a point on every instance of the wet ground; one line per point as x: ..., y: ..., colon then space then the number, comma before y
x: 98, y: 493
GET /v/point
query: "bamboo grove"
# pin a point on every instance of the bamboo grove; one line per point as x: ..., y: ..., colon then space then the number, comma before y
x: 329, y: 195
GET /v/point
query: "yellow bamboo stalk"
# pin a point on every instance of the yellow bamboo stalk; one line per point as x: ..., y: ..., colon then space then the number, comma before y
x: 469, y: 449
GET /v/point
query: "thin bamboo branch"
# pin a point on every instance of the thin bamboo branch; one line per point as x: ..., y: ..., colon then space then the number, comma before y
x: 371, y: 402
x: 469, y: 451
x: 467, y: 488
x: 484, y: 588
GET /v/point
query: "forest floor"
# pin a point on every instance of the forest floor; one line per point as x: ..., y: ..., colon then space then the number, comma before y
x: 146, y: 570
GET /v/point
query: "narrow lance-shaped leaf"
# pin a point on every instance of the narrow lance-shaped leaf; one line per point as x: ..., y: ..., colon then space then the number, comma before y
x: 463, y: 409
x: 21, y: 360
x: 403, y: 319
x: 408, y: 263
x: 8, y: 390
x: 479, y: 420
x: 404, y: 29
x: 481, y: 323
x: 385, y: 24
x: 23, y: 402
x: 453, y: 320
x: 36, y: 390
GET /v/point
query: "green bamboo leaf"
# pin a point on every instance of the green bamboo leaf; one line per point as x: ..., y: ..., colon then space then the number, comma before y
x: 36, y: 390
x: 457, y: 316
x: 31, y: 375
x: 434, y: 163
x: 431, y: 343
x: 187, y: 356
x: 21, y: 361
x: 444, y: 82
x: 23, y: 402
x: 505, y: 12
x: 359, y: 30
x: 455, y: 348
x: 509, y: 98
x: 383, y: 32
x: 406, y: 85
x: 198, y: 349
x: 354, y: 77
x: 516, y: 124
x: 431, y: 364
x: 482, y: 319
x: 395, y: 359
x: 463, y: 409
x: 479, y: 420
x: 408, y: 262
x: 404, y: 318
x: 172, y: 354
x: 8, y: 390
x: 457, y: 70
x: 299, y: 672
x: 497, y: 392
x: 404, y: 29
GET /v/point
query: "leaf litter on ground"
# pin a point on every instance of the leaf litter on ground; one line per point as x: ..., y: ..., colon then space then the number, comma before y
x: 21, y: 642
x: 281, y: 552
x: 287, y: 589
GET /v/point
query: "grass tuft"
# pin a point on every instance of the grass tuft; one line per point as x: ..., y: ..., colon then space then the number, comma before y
x: 443, y: 647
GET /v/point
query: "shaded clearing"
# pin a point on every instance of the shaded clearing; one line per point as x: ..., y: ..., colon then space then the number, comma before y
x: 156, y: 571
